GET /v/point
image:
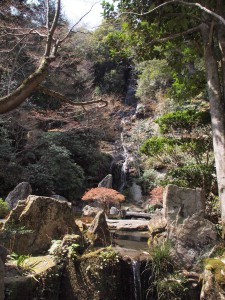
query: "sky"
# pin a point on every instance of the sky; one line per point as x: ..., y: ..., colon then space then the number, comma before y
x: 75, y: 9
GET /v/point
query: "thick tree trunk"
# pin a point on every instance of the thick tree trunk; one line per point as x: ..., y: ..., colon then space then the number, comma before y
x: 14, y: 99
x: 217, y: 111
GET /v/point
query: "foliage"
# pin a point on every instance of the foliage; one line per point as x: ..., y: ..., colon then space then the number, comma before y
x: 11, y: 229
x: 56, y: 171
x: 23, y: 264
x: 4, y: 209
x: 161, y: 259
x: 192, y: 176
x: 148, y: 180
x: 153, y: 76
x: 183, y: 120
x: 111, y: 68
x: 105, y: 196
x: 164, y: 282
x: 185, y: 149
x: 62, y: 250
x: 72, y: 251
x: 156, y: 194
x: 156, y: 146
x: 109, y: 257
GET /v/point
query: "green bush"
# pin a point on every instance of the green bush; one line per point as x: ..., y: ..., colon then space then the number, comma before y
x: 56, y: 171
x: 165, y: 283
x: 148, y: 180
x: 187, y: 119
x: 4, y: 209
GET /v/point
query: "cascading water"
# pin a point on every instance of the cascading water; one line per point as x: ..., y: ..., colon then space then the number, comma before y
x: 125, y: 165
x: 137, y: 279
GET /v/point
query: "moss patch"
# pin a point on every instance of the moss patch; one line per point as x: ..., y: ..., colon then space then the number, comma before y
x: 217, y: 267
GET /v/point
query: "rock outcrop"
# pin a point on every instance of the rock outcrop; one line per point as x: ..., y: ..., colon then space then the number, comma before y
x: 135, y: 193
x: 180, y: 203
x: 182, y: 222
x: 90, y: 211
x: 106, y: 182
x: 20, y: 192
x: 213, y: 279
x: 98, y: 233
x: 35, y: 222
x: 192, y: 240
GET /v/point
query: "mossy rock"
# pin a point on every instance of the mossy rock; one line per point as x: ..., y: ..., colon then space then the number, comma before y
x: 217, y: 267
x: 95, y: 275
x: 41, y: 282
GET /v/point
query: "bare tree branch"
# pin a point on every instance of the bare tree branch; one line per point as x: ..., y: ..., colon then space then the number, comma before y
x: 71, y: 29
x: 17, y: 44
x: 52, y: 29
x: 196, y: 4
x: 66, y: 100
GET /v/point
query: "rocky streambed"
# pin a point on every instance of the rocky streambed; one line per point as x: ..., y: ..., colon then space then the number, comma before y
x: 67, y: 261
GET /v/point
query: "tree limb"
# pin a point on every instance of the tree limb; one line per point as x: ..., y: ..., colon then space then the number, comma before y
x: 52, y: 29
x: 196, y: 4
x: 14, y: 99
x: 71, y: 29
x: 176, y: 35
x: 66, y: 100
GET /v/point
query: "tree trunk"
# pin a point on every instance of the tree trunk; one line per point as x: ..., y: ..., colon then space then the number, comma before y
x: 14, y: 99
x: 217, y: 111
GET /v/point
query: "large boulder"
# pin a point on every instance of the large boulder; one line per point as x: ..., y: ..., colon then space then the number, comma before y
x: 180, y: 203
x: 20, y: 192
x: 192, y: 240
x: 135, y: 193
x: 98, y: 232
x: 182, y: 222
x: 35, y: 222
x: 106, y: 182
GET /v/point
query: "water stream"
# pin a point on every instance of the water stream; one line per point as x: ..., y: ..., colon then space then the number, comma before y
x: 137, y: 279
x: 125, y: 165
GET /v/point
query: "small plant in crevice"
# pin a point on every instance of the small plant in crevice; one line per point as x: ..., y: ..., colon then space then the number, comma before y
x: 61, y: 250
x: 4, y: 209
x: 23, y: 264
x: 11, y: 230
x: 108, y: 257
x: 164, y: 283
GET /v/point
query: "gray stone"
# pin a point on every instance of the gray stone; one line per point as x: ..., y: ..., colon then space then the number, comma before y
x: 98, y: 233
x: 106, y: 182
x: 128, y: 225
x: 114, y: 211
x: 90, y: 211
x: 192, y: 240
x: 59, y: 197
x: 20, y: 192
x: 180, y: 203
x: 135, y: 193
x: 41, y: 219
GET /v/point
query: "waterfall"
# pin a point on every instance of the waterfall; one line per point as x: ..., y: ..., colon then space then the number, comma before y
x: 125, y: 165
x: 137, y: 279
